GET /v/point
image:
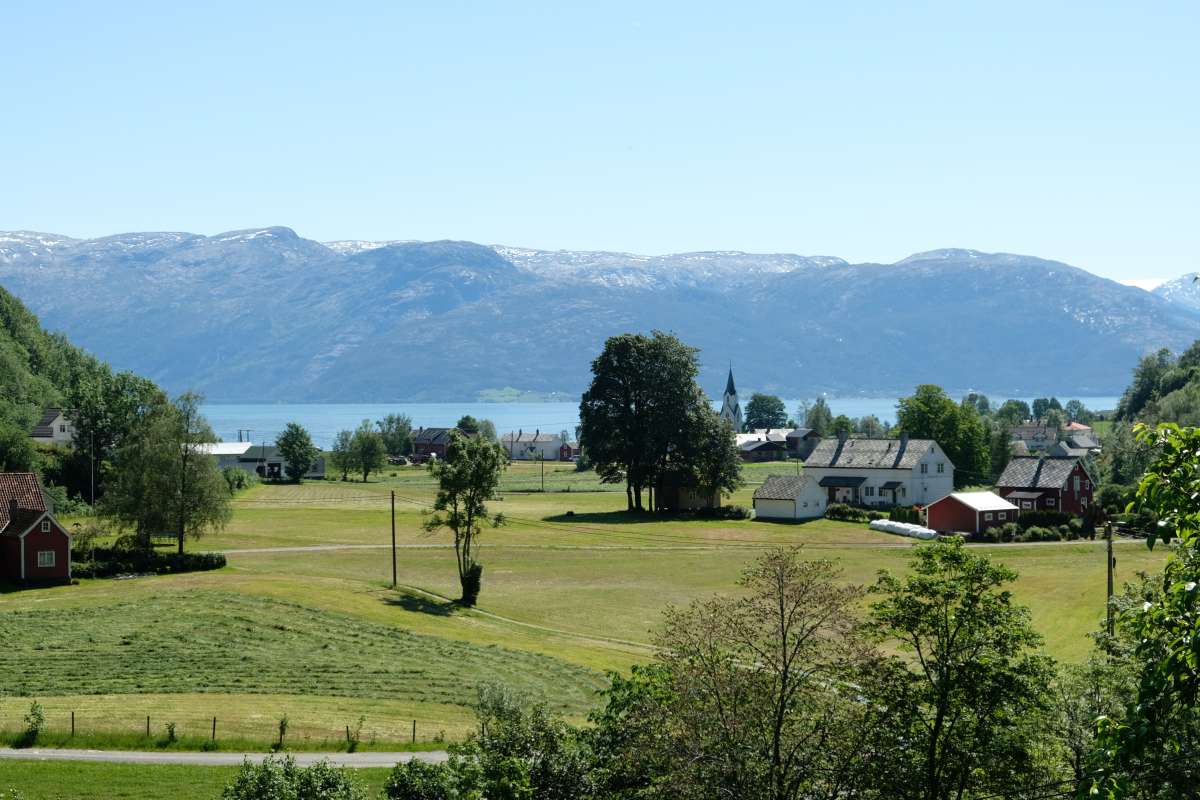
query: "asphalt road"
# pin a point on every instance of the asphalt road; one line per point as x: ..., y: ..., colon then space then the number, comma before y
x: 368, y: 759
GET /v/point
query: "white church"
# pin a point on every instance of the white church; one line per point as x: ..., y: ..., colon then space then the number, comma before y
x: 731, y: 409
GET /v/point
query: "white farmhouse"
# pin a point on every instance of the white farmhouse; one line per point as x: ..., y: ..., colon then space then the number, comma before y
x: 787, y: 497
x: 881, y: 472
x: 536, y: 446
x: 54, y: 429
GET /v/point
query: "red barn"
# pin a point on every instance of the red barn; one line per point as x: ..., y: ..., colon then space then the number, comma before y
x: 431, y: 442
x: 1047, y: 483
x: 34, y: 547
x: 971, y: 512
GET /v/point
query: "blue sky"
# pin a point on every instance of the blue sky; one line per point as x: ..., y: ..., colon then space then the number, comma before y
x: 864, y: 130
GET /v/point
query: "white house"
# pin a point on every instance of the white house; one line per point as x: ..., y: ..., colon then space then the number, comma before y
x: 788, y: 497
x: 228, y: 454
x: 881, y: 472
x: 521, y: 446
x: 54, y: 429
x: 265, y: 461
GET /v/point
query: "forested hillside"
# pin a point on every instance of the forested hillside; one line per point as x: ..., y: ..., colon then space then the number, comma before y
x: 40, y: 370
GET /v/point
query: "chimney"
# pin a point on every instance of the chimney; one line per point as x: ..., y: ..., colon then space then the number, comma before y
x: 12, y: 507
x: 842, y: 435
x: 903, y: 439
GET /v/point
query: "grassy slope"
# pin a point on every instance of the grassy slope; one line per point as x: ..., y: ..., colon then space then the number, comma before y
x: 564, y: 597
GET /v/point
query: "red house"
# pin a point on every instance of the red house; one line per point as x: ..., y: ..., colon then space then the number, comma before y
x: 34, y: 547
x: 431, y: 442
x: 970, y: 512
x: 1047, y: 483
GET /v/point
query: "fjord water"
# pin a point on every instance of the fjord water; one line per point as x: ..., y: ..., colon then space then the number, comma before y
x: 324, y: 420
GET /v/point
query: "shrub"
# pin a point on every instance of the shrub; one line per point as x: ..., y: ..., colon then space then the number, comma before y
x: 419, y: 780
x: 283, y: 780
x: 1008, y: 532
x: 109, y: 561
x: 35, y: 720
x: 238, y: 479
x: 171, y: 735
x: 874, y: 515
x: 905, y: 514
x: 845, y: 513
x: 724, y: 512
x: 471, y: 583
x: 1043, y: 519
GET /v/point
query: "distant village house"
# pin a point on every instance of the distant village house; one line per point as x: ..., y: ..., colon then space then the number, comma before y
x: 881, y: 472
x: 53, y: 429
x: 1047, y: 483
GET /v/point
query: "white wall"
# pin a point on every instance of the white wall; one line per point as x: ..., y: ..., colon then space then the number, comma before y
x: 774, y: 509
x: 527, y: 451
x: 810, y: 504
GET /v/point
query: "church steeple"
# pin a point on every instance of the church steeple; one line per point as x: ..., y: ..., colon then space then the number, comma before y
x: 731, y: 409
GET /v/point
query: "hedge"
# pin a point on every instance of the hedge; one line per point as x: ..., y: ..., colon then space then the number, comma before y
x: 106, y: 562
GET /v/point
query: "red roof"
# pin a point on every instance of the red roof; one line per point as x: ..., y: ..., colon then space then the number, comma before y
x: 25, y: 489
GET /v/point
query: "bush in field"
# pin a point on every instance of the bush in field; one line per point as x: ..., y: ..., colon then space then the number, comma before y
x: 283, y: 780
x: 108, y: 561
x: 1008, y: 532
x: 419, y: 780
x: 238, y: 479
x: 845, y: 513
x: 905, y: 514
x: 35, y: 720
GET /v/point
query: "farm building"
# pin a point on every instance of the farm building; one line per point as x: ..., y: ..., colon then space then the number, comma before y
x: 801, y: 442
x: 34, y: 547
x: 970, y: 512
x: 54, y: 429
x: 1034, y: 435
x: 536, y: 446
x: 228, y: 454
x: 763, y: 444
x: 431, y: 442
x: 881, y: 472
x: 787, y: 497
x: 1047, y: 483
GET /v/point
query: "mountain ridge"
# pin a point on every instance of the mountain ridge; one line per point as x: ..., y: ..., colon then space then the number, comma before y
x: 266, y: 314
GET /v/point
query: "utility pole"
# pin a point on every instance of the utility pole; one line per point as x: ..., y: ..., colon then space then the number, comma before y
x: 92, y: 464
x: 393, y: 538
x: 543, y: 463
x: 1112, y: 562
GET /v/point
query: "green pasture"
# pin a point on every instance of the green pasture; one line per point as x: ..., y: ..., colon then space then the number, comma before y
x: 73, y: 780
x: 304, y: 621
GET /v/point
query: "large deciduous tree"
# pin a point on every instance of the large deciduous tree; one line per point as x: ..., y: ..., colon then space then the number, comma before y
x: 765, y: 411
x: 750, y: 696
x: 342, y: 453
x: 969, y: 696
x: 467, y: 479
x: 1153, y: 748
x: 367, y: 449
x: 637, y: 414
x: 164, y: 478
x: 818, y: 417
x: 298, y: 451
x: 930, y: 414
x: 396, y: 430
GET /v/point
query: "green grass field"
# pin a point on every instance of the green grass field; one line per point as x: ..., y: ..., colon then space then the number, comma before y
x: 64, y: 780
x: 304, y: 622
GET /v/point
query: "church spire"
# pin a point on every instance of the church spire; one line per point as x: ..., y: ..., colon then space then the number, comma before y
x: 731, y: 409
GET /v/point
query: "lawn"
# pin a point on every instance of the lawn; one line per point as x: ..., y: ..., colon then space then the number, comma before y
x: 304, y: 621
x: 66, y: 780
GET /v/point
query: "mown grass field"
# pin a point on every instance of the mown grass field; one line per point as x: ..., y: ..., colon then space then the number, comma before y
x: 64, y: 780
x: 304, y: 622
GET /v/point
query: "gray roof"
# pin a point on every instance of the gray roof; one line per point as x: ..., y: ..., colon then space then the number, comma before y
x: 432, y: 435
x: 781, y: 487
x: 799, y: 433
x: 1034, y: 472
x: 527, y: 438
x: 45, y: 427
x: 1083, y: 441
x: 869, y: 453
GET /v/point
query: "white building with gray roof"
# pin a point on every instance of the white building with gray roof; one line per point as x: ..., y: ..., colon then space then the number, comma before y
x: 881, y: 472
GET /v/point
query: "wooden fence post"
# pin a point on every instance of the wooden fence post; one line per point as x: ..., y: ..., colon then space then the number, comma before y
x: 147, y: 726
x: 214, y: 733
x: 72, y: 724
x: 414, y: 731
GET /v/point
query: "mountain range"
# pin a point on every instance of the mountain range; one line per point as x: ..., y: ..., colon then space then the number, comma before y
x: 265, y: 315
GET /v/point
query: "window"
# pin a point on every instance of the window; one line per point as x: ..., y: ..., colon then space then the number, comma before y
x: 1001, y: 515
x: 45, y: 558
x: 988, y: 516
x: 941, y: 468
x: 45, y: 526
x: 869, y: 491
x: 1050, y: 501
x: 1076, y: 484
x: 1026, y: 504
x: 903, y: 491
x: 1083, y: 502
x: 62, y: 428
x: 1087, y: 484
x: 924, y: 469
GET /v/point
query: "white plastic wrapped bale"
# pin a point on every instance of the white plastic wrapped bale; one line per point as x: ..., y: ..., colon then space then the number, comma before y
x: 903, y: 529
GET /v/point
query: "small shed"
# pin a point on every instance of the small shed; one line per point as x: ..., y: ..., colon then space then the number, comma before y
x: 972, y: 512
x: 789, y: 497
